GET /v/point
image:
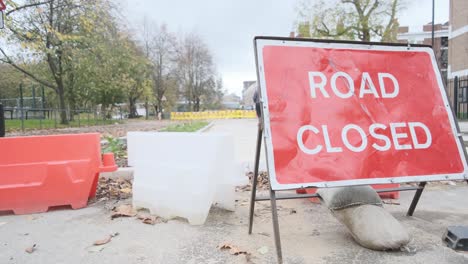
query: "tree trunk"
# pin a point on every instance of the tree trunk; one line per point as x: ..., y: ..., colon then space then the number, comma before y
x: 156, y: 111
x: 197, y: 105
x: 146, y: 109
x: 103, y: 111
x: 72, y: 103
x: 132, y: 108
x: 62, y: 106
x: 159, y: 105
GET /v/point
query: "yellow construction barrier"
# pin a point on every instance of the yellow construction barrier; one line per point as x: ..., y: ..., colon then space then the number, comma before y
x: 206, y: 115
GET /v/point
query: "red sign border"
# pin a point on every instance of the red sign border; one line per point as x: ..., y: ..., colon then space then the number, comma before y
x: 260, y: 42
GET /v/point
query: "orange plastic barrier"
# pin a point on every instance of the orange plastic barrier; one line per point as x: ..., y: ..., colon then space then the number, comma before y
x: 43, y: 171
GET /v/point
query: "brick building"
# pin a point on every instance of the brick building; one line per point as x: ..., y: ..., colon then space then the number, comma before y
x: 441, y: 43
x: 458, y: 39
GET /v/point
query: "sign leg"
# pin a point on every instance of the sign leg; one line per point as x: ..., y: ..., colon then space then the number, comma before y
x: 274, y: 213
x: 255, y: 177
x: 416, y: 197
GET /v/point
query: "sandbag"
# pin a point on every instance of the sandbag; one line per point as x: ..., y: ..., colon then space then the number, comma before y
x: 344, y: 197
x: 360, y: 209
x: 373, y: 227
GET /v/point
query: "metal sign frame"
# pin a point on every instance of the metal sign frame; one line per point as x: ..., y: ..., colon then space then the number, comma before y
x: 264, y: 133
x: 261, y: 42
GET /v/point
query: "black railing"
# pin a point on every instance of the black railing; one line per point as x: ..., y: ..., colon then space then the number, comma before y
x: 28, y: 118
x: 458, y: 93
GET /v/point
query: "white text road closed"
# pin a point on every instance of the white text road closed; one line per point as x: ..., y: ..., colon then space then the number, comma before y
x: 398, y: 132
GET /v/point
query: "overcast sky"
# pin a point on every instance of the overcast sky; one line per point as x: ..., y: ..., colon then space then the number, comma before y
x: 228, y: 27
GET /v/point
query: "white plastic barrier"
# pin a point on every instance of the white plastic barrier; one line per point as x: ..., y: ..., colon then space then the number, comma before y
x: 183, y: 174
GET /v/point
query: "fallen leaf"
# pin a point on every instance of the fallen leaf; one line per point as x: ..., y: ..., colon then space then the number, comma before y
x: 150, y: 220
x: 263, y: 250
x: 103, y: 241
x: 233, y: 250
x: 31, y: 249
x: 124, y: 210
x: 126, y: 190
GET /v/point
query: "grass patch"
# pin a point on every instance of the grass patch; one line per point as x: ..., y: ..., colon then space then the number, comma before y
x: 32, y: 124
x: 185, y: 127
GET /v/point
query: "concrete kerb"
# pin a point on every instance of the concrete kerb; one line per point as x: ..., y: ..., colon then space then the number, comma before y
x: 205, y: 128
x: 127, y: 172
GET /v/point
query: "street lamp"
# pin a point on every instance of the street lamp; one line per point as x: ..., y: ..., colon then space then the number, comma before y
x: 433, y: 8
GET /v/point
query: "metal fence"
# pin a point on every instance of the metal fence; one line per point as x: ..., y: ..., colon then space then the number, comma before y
x: 458, y: 94
x: 28, y: 118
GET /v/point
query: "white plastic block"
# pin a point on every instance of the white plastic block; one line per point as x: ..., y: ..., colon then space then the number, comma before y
x: 169, y: 190
x: 183, y: 174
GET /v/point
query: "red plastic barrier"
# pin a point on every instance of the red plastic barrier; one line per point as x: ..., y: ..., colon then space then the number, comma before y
x: 43, y: 171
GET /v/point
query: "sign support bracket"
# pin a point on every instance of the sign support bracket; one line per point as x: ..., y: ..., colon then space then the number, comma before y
x: 253, y: 199
x: 416, y: 197
x: 273, y: 197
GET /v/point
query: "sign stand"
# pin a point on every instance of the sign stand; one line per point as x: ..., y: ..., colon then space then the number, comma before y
x: 273, y: 197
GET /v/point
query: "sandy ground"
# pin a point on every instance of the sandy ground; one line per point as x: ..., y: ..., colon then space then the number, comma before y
x: 310, y: 234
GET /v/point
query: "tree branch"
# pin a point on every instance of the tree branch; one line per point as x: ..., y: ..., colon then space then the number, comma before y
x: 32, y: 76
x: 26, y: 6
x: 374, y: 6
x: 388, y: 28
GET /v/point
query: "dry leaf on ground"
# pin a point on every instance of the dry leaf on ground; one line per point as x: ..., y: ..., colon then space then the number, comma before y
x: 31, y: 249
x: 102, y: 241
x: 150, y: 219
x: 124, y: 210
x: 113, y: 189
x: 105, y: 240
x: 233, y: 250
x: 126, y: 190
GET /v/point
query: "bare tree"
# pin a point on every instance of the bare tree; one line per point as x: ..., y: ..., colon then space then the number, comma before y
x: 162, y: 55
x: 196, y: 70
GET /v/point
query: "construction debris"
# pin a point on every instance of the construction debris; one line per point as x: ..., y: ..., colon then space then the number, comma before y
x: 263, y: 183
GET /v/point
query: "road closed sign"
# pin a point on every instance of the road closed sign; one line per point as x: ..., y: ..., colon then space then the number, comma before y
x: 338, y: 114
